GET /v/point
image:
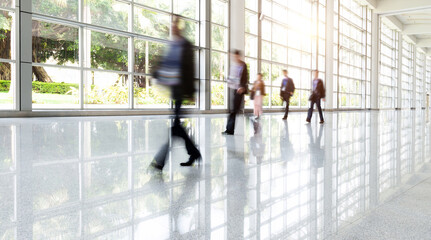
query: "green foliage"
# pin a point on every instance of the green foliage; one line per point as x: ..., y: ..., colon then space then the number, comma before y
x: 4, y: 86
x: 217, y: 94
x: 53, y: 88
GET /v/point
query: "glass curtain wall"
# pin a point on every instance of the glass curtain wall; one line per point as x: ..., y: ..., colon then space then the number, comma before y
x: 420, y: 78
x: 352, y: 55
x: 284, y: 44
x: 7, y: 54
x: 388, y: 73
x: 407, y: 75
x: 219, y: 52
x: 101, y: 54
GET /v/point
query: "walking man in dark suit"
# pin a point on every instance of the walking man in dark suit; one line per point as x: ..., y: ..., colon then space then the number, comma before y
x: 286, y: 91
x: 317, y: 94
x: 238, y: 85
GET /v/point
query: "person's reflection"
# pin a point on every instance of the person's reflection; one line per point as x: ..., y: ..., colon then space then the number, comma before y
x: 286, y: 146
x: 316, y: 152
x: 256, y: 143
x: 180, y: 204
x: 236, y: 187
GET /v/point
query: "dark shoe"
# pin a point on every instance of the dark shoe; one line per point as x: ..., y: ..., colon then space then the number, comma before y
x: 156, y: 166
x: 322, y: 122
x: 284, y: 118
x: 191, y: 160
x: 227, y: 133
x: 308, y: 120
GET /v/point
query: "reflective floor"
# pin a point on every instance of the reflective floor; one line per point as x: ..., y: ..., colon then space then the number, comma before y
x: 88, y: 178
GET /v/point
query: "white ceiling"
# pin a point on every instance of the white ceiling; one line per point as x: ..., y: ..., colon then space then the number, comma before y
x: 412, y: 17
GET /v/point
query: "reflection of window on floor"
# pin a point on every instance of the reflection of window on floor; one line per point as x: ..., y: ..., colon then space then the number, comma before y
x: 351, y: 167
x: 406, y: 152
x: 387, y: 160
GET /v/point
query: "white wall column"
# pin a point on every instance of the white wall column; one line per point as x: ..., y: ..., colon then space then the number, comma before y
x: 237, y: 25
x: 329, y: 58
x: 25, y: 56
x: 375, y: 38
x: 205, y: 57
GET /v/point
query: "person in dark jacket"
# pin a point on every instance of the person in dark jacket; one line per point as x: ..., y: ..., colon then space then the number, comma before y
x: 180, y: 53
x: 318, y: 93
x: 238, y: 85
x: 286, y: 91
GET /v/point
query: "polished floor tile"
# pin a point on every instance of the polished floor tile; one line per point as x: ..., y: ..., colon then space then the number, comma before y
x: 88, y: 178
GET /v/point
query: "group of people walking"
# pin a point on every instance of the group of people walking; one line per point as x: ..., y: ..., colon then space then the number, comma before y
x: 176, y: 70
x: 238, y: 81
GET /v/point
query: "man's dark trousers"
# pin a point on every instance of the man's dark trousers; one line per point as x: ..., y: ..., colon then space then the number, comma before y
x: 310, y: 110
x: 237, y: 102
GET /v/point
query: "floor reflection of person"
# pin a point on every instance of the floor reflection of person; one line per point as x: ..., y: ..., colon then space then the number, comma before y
x: 317, y: 153
x: 180, y: 205
x: 256, y: 142
x: 286, y: 146
x: 179, y: 56
x: 236, y: 187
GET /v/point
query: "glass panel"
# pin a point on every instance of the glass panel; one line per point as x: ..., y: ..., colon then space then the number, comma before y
x: 6, y: 22
x: 160, y: 4
x: 112, y: 14
x: 148, y: 95
x: 109, y: 51
x: 218, y: 93
x: 151, y: 23
x: 67, y: 9
x: 250, y: 45
x: 276, y: 100
x: 191, y: 32
x: 54, y: 44
x: 147, y: 55
x: 218, y: 65
x: 60, y: 88
x: 219, y: 38
x: 250, y: 22
x: 6, y: 85
x: 251, y: 4
x: 219, y: 11
x: 105, y: 90
x: 186, y: 8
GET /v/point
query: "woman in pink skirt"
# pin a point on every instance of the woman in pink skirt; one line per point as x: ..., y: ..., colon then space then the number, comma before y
x: 259, y: 93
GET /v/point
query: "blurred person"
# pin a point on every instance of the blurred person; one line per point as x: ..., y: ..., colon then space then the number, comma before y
x: 257, y: 93
x: 318, y: 93
x: 286, y: 146
x: 177, y: 70
x: 238, y: 86
x: 286, y: 91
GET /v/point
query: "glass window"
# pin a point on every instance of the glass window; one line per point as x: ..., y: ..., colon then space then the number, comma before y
x: 55, y: 44
x: 111, y: 14
x: 219, y: 38
x: 59, y: 88
x: 151, y: 23
x: 6, y: 85
x: 186, y: 8
x: 6, y: 30
x: 147, y: 95
x: 67, y: 9
x: 105, y: 89
x: 147, y: 54
x: 109, y: 51
x: 219, y: 10
x: 160, y: 4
